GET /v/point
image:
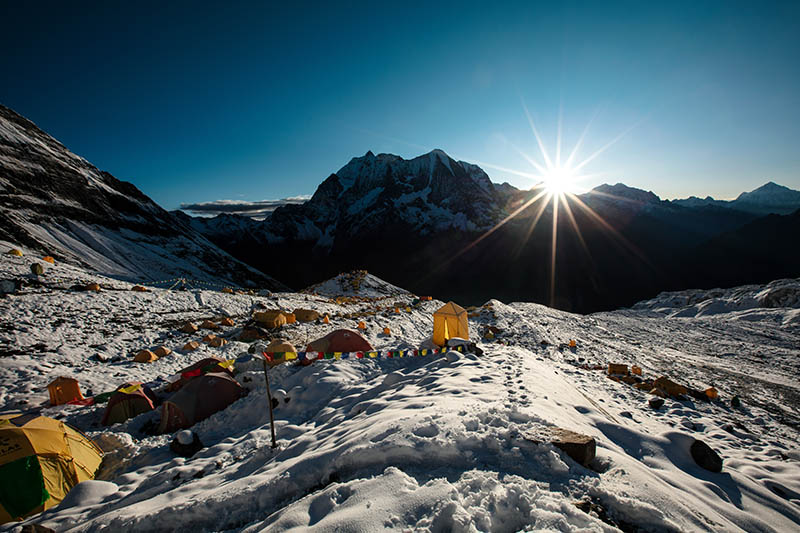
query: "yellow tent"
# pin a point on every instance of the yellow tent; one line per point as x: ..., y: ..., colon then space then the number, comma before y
x: 15, y: 251
x: 41, y: 459
x: 448, y: 322
x: 270, y: 319
x: 305, y: 315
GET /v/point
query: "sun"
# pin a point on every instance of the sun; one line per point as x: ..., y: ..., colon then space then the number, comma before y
x: 560, y: 180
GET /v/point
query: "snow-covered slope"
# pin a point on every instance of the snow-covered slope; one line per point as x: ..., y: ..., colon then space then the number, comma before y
x: 356, y: 283
x: 56, y: 203
x: 784, y: 293
x: 421, y: 443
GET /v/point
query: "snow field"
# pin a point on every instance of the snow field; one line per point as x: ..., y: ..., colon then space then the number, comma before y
x: 425, y: 443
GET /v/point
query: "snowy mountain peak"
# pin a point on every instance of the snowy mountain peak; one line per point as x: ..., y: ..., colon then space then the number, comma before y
x: 423, y: 195
x: 770, y: 194
x: 623, y: 192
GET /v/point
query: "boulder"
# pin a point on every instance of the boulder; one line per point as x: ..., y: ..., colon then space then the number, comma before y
x: 670, y: 387
x: 698, y: 394
x: 581, y: 448
x: 655, y: 402
x: 186, y: 443
x: 189, y: 328
x: 705, y: 457
x: 9, y: 286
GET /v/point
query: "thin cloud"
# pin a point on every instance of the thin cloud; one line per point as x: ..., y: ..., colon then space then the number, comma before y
x: 259, y: 209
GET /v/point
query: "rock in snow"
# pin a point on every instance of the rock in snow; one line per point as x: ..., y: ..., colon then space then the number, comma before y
x: 705, y: 457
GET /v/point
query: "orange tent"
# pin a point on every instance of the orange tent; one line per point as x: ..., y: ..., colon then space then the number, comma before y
x: 64, y: 390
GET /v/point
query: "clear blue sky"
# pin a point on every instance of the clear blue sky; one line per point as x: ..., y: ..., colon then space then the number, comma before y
x: 249, y: 102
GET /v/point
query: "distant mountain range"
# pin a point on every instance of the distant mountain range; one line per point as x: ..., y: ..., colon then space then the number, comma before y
x: 412, y: 222
x: 433, y: 224
x: 59, y: 204
x: 770, y: 198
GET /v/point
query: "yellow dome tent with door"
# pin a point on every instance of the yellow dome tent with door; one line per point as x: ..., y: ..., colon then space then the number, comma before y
x: 41, y: 459
x: 448, y: 322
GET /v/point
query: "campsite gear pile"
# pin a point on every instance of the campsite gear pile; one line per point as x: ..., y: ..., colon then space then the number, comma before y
x: 662, y: 387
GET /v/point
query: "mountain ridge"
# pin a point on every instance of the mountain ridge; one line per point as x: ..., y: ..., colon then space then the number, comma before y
x: 59, y: 204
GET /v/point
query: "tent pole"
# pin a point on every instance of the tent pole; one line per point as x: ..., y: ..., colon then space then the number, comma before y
x: 269, y: 402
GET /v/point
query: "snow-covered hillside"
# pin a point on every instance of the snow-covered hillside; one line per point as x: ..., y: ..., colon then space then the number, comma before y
x: 57, y: 203
x: 435, y: 443
x: 356, y: 283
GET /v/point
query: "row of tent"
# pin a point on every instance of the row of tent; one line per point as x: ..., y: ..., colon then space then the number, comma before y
x: 16, y: 252
x: 198, y: 391
x: 449, y: 321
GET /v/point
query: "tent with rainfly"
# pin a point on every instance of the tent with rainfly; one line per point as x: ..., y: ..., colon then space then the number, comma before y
x: 340, y: 340
x: 130, y: 400
x: 201, y: 367
x: 198, y: 399
x: 450, y: 321
x: 41, y: 459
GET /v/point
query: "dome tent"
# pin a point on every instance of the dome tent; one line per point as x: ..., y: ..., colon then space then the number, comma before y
x: 64, y: 390
x: 199, y: 368
x: 340, y: 340
x: 198, y: 399
x: 130, y: 400
x: 41, y: 460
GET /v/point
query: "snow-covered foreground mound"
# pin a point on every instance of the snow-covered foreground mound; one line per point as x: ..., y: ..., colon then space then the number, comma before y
x: 424, y: 443
x: 357, y: 283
